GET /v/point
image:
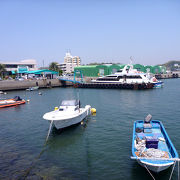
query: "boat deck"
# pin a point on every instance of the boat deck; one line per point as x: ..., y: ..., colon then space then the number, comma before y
x: 155, y: 132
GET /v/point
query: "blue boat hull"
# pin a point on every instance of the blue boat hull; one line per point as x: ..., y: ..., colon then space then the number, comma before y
x: 158, y: 84
x: 159, y: 131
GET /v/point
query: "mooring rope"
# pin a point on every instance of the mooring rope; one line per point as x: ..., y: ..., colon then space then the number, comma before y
x: 178, y: 170
x: 149, y: 172
x: 33, y: 163
x: 172, y: 171
x: 39, y: 155
x: 49, y: 130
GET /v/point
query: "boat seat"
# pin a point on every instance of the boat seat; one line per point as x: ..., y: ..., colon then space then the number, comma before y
x: 147, y: 126
x: 147, y: 130
x: 156, y: 125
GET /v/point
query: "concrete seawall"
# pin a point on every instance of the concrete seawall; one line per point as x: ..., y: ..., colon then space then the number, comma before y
x: 44, y: 83
x: 173, y: 74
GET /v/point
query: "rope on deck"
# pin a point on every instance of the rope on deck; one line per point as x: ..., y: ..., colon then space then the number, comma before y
x: 149, y: 172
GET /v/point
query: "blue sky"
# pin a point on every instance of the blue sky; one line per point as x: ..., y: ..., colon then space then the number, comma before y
x: 95, y: 30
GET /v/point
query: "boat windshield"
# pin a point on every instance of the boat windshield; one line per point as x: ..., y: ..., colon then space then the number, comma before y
x: 70, y: 103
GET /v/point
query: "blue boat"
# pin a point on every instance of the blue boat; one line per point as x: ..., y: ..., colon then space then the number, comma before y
x: 151, y: 145
x: 158, y: 84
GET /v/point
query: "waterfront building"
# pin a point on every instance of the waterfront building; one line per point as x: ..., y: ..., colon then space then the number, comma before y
x: 70, y: 62
x: 98, y: 70
x: 68, y: 58
x: 76, y: 60
x: 24, y: 65
x: 103, y: 70
x: 40, y: 74
x: 67, y: 67
x: 72, y: 59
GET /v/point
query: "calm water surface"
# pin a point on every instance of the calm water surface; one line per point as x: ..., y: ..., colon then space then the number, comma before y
x: 98, y: 149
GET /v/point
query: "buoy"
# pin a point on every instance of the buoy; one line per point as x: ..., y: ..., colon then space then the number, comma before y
x: 27, y: 100
x: 56, y: 108
x: 81, y: 122
x: 5, y: 92
x: 93, y: 110
x: 40, y: 93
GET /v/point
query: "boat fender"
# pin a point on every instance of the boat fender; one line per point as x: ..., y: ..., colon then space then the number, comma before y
x: 56, y: 108
x: 93, y: 110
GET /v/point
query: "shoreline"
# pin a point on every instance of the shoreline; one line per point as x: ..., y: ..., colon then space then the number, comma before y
x: 9, y: 85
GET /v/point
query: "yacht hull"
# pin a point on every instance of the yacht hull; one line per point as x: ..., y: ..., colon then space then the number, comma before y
x: 66, y: 122
x: 69, y: 122
x: 158, y: 84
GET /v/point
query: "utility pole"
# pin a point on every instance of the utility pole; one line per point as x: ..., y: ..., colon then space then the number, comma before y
x: 43, y: 63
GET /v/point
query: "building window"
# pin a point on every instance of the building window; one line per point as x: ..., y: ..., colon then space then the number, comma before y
x: 101, y: 72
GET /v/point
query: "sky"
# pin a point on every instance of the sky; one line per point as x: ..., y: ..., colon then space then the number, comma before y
x: 96, y: 30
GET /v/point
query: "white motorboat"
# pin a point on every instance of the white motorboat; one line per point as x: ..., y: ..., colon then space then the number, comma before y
x: 33, y: 88
x: 69, y: 113
x: 129, y: 75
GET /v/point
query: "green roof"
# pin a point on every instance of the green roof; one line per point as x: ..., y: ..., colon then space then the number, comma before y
x: 88, y: 66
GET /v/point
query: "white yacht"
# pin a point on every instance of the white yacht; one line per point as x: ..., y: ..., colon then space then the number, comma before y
x: 128, y: 75
x: 69, y: 113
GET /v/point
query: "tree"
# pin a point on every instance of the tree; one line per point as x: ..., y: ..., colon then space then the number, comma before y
x: 60, y: 72
x: 2, y: 69
x: 54, y: 67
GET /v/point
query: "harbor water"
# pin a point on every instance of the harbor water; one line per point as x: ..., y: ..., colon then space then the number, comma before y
x: 97, y: 149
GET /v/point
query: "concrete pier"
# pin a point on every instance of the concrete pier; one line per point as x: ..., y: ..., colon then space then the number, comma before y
x: 7, y: 85
x: 175, y: 74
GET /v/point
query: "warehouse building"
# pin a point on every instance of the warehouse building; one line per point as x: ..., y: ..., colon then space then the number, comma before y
x: 103, y: 70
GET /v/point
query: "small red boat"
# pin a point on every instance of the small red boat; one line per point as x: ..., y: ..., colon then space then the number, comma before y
x: 11, y: 102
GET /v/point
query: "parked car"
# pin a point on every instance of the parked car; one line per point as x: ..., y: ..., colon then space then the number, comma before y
x: 19, y: 79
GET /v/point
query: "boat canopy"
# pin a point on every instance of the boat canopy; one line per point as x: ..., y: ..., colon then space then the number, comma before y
x: 74, y: 102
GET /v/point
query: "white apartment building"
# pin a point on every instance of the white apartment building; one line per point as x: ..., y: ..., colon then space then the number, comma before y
x: 68, y: 58
x: 69, y: 63
x: 76, y: 60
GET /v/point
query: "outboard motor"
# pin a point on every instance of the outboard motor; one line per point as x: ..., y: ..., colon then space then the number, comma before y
x: 148, y: 118
x: 79, y: 103
x: 147, y: 125
x: 17, y: 98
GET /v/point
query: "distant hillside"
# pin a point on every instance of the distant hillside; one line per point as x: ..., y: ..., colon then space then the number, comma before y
x: 172, y: 65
